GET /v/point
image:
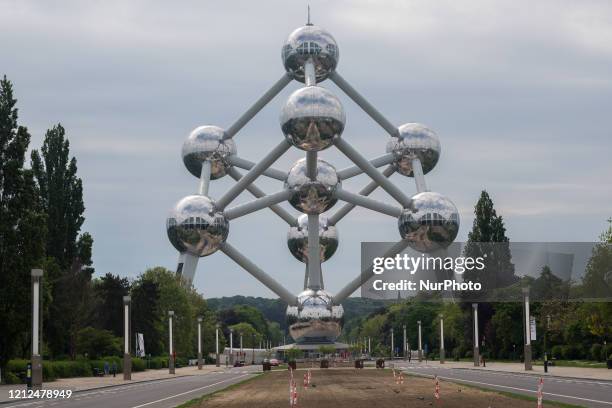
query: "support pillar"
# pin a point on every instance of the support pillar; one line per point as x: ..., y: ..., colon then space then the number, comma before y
x: 528, y: 364
x: 392, y: 345
x: 231, y: 350
x: 171, y: 361
x: 475, y: 333
x: 200, y: 362
x: 36, y: 329
x: 217, y: 361
x: 404, y: 346
x: 442, y: 356
x: 127, y: 357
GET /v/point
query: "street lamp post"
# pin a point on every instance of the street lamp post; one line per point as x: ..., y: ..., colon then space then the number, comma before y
x: 475, y: 333
x: 404, y: 346
x: 420, y: 343
x: 218, y: 363
x: 442, y: 354
x: 127, y: 358
x: 231, y: 351
x: 528, y: 366
x: 171, y: 362
x: 253, y: 356
x: 36, y: 328
x: 392, y: 345
x: 200, y: 362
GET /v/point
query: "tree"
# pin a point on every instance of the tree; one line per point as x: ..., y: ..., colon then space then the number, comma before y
x: 108, y: 293
x: 146, y: 314
x: 22, y: 228
x: 249, y: 334
x: 597, y: 280
x: 98, y: 343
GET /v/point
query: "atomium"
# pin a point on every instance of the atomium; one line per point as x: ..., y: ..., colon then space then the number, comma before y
x: 312, y: 196
x: 315, y: 318
x: 432, y: 224
x: 312, y: 118
x: 314, y: 43
x: 414, y: 141
x: 297, y: 239
x: 206, y: 143
x: 194, y: 226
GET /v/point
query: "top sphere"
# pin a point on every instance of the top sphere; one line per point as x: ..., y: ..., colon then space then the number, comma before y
x: 313, y: 42
x: 207, y: 143
x: 414, y: 141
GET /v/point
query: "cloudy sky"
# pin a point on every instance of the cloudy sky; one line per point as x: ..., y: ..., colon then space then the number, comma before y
x: 520, y: 94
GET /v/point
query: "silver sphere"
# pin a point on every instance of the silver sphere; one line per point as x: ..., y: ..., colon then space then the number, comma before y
x: 315, y: 319
x: 310, y: 42
x: 414, y: 141
x: 206, y: 143
x: 432, y: 223
x: 312, y: 196
x: 297, y: 239
x: 195, y: 226
x: 312, y: 118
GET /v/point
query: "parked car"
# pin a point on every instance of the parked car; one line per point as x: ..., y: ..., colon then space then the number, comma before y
x: 239, y: 364
x: 274, y: 362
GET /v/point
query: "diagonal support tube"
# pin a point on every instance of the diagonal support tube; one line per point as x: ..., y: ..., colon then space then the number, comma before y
x: 371, y: 171
x: 419, y: 177
x: 367, y: 273
x: 258, y: 274
x: 366, y: 202
x: 248, y: 165
x: 314, y: 255
x: 363, y: 104
x: 255, y: 172
x: 355, y: 170
x: 205, y: 178
x: 258, y: 193
x: 258, y: 204
x: 366, y: 191
x: 257, y: 106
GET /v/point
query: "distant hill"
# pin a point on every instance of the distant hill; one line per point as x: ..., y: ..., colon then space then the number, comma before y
x: 274, y: 309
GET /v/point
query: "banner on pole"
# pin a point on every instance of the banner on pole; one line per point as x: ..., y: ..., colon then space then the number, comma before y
x: 140, y: 348
x: 532, y: 328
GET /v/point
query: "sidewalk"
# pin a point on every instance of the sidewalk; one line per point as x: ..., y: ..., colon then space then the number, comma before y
x: 89, y: 383
x: 519, y: 368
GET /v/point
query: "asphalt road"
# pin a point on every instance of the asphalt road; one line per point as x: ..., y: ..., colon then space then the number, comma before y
x: 587, y: 393
x: 153, y: 394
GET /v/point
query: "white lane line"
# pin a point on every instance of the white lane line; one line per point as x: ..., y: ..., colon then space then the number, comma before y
x: 190, y: 391
x: 517, y: 389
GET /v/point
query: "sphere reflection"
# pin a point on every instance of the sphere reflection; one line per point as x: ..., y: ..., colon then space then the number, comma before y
x: 414, y: 141
x: 312, y: 196
x: 297, y: 239
x: 311, y: 42
x: 315, y: 319
x: 206, y: 143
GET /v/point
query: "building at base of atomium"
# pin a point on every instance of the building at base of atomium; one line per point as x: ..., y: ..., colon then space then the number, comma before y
x: 311, y: 120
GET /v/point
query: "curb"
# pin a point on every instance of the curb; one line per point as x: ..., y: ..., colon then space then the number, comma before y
x: 543, y: 375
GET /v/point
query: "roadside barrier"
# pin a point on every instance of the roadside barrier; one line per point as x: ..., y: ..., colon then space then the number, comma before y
x: 437, y: 388
x: 540, y: 393
x: 399, y: 379
x: 305, y: 380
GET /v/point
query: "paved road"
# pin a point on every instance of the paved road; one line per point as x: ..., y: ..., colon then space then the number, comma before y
x: 588, y: 393
x: 153, y: 394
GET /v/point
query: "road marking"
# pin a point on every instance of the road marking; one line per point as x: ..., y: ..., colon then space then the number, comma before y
x: 187, y: 392
x: 518, y: 389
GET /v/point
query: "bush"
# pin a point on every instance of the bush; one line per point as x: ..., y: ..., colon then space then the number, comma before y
x: 572, y: 352
x: 606, y: 352
x: 11, y: 378
x: 158, y: 362
x: 596, y: 350
x: 557, y: 352
x: 48, y: 371
x: 138, y: 364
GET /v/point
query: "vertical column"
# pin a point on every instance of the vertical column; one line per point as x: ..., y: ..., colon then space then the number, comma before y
x: 476, y: 337
x: 231, y: 350
x: 241, y: 349
x: 392, y: 345
x: 171, y: 361
x: 36, y: 324
x: 217, y: 362
x: 404, y: 347
x: 528, y: 366
x: 369, y: 346
x: 200, y: 362
x: 127, y: 357
x: 420, y: 343
x: 442, y: 354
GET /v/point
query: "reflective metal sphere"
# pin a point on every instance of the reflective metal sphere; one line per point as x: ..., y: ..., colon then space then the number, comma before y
x: 312, y: 197
x: 414, y: 141
x: 312, y: 118
x: 315, y: 319
x: 194, y: 225
x: 310, y: 42
x: 206, y: 143
x: 432, y: 224
x: 297, y: 239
